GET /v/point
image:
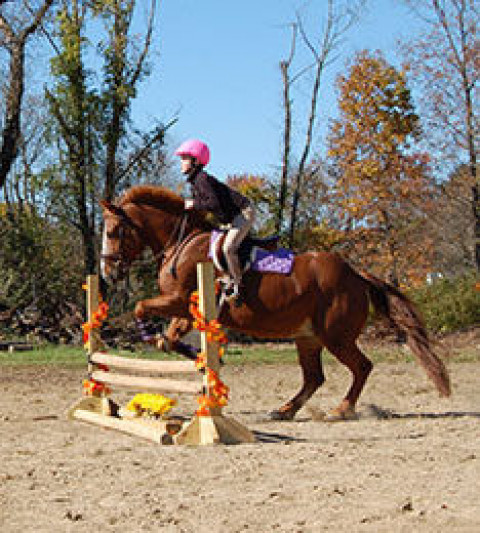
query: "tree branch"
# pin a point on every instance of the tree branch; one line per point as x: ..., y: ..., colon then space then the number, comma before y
x: 148, y: 39
x: 37, y: 20
x: 67, y: 133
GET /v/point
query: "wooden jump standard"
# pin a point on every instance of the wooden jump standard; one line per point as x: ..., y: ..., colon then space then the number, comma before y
x: 103, y: 411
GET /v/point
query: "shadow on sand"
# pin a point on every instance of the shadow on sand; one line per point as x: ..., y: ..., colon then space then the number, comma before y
x: 375, y: 411
x: 275, y: 438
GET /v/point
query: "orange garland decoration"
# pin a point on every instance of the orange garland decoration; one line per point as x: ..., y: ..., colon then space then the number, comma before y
x: 94, y: 388
x: 213, y: 328
x: 98, y: 317
x: 217, y: 397
x: 217, y: 391
x: 90, y: 386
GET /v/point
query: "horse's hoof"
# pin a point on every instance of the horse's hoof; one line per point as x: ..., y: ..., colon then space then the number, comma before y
x: 341, y: 415
x: 281, y: 415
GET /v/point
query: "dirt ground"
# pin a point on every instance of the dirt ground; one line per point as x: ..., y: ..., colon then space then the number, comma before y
x: 410, y: 463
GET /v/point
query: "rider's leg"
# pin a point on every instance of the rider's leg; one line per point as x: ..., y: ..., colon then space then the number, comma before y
x: 241, y: 225
x: 232, y: 241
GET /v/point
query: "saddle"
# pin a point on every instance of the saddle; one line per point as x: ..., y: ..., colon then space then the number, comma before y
x: 260, y: 254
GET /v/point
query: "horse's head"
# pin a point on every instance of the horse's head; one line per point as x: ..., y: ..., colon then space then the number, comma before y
x: 122, y: 241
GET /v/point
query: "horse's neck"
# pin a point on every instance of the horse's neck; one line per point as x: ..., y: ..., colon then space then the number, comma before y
x: 158, y: 228
x: 167, y: 231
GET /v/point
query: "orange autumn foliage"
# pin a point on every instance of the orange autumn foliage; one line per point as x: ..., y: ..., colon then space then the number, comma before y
x: 383, y: 184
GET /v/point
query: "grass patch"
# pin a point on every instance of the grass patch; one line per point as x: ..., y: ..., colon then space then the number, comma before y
x: 236, y: 355
x: 287, y: 354
x: 260, y: 354
x: 49, y: 354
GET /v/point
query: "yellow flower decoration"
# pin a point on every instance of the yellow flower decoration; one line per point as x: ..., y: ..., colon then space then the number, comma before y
x: 150, y: 404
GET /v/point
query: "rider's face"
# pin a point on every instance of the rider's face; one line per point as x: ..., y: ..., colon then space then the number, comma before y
x: 186, y: 163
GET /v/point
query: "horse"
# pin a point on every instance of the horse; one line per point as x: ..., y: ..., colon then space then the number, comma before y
x: 322, y: 303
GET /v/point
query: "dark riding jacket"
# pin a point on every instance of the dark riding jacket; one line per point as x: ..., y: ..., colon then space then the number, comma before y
x: 210, y: 194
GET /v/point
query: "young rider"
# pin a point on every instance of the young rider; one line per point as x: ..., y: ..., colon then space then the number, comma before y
x: 229, y: 206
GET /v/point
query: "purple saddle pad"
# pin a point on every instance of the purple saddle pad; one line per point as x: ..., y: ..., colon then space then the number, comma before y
x: 279, y: 261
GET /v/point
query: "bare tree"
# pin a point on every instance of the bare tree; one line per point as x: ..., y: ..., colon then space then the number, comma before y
x: 14, y: 39
x: 339, y: 19
x: 446, y: 65
x: 287, y: 109
x: 450, y: 223
x: 92, y: 124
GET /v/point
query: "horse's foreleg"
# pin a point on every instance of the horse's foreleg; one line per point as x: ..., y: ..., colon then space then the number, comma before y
x: 309, y: 356
x: 169, y: 306
x: 165, y: 305
x: 170, y: 340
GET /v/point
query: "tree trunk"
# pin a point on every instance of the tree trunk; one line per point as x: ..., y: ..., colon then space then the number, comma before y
x: 306, y: 149
x: 473, y: 173
x: 286, y: 146
x: 476, y: 213
x: 11, y: 131
x: 114, y: 127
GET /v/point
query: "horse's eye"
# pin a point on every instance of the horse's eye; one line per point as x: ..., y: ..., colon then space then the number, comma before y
x: 112, y: 233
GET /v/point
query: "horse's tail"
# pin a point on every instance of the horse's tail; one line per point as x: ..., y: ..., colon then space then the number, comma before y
x: 402, y: 315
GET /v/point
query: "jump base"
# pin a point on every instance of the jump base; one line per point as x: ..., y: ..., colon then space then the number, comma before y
x: 201, y: 430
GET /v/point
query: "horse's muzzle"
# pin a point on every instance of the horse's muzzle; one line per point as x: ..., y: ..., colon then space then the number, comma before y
x: 112, y: 269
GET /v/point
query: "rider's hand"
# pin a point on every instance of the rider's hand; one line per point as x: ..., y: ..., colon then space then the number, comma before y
x: 188, y: 204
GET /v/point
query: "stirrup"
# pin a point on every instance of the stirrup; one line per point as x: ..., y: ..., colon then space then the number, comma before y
x: 235, y: 295
x: 232, y: 290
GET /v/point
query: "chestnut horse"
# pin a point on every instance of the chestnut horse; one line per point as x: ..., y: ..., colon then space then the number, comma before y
x: 322, y: 303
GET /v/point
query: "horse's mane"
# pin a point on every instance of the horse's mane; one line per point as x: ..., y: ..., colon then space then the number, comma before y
x: 153, y: 195
x: 164, y: 199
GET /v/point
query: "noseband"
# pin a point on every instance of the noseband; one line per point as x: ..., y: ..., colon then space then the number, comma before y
x: 118, y: 257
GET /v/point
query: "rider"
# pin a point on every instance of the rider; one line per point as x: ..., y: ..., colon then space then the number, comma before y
x: 231, y: 208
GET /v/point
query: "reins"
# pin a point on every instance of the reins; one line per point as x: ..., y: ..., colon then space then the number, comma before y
x: 180, y: 226
x: 179, y: 247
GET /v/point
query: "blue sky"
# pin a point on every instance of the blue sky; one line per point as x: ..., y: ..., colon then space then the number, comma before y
x: 217, y: 67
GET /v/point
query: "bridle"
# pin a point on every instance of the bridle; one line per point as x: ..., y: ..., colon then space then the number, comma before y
x: 118, y: 258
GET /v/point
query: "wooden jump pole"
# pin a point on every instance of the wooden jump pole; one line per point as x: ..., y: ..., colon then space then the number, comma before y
x: 93, y: 299
x: 215, y: 428
x: 101, y: 410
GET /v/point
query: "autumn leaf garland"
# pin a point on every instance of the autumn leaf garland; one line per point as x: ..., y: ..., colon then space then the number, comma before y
x: 217, y: 391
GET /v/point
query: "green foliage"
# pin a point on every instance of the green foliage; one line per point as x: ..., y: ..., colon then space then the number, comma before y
x: 262, y: 194
x: 449, y: 304
x: 39, y: 263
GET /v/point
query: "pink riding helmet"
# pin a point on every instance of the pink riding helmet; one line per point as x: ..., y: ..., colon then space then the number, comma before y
x: 195, y: 148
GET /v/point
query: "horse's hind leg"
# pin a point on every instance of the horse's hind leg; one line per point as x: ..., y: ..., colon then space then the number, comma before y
x: 310, y: 359
x: 360, y: 367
